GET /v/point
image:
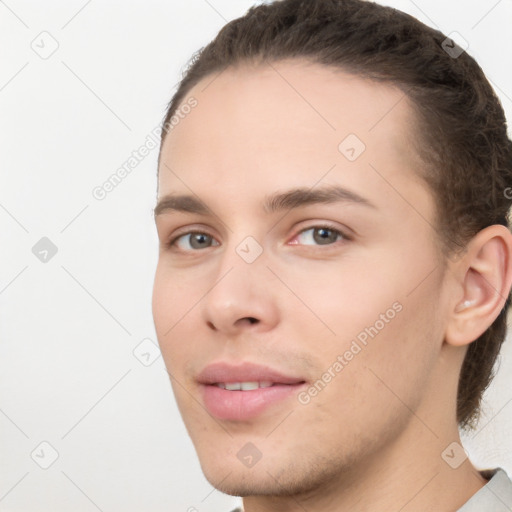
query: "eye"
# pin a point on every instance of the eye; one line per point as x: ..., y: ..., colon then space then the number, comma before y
x: 319, y: 235
x: 192, y: 240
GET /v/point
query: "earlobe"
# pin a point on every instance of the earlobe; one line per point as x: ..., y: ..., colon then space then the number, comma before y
x: 486, y: 279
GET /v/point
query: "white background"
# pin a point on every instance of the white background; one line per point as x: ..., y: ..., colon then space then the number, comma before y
x: 68, y: 327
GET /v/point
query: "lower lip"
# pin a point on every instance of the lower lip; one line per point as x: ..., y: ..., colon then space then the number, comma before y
x: 245, y: 405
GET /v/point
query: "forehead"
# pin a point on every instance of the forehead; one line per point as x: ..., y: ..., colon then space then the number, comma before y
x: 263, y: 125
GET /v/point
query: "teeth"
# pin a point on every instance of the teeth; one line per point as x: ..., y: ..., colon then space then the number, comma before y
x: 247, y: 386
x: 244, y: 386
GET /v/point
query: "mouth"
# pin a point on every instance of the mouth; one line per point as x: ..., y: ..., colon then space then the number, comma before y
x: 245, y: 391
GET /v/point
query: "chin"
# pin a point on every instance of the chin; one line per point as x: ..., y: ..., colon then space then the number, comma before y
x: 247, y: 482
x: 275, y: 476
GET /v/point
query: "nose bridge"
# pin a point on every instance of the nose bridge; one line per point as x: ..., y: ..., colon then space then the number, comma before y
x: 240, y: 267
x: 242, y: 261
x: 239, y: 291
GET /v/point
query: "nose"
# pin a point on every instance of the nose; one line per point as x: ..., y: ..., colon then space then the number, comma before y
x: 240, y: 298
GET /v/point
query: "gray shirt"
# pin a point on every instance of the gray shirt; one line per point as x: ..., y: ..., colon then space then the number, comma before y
x: 495, y: 496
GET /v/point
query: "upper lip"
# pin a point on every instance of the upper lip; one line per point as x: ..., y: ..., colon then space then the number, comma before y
x: 245, y: 372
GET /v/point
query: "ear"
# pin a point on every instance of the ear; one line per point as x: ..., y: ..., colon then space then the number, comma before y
x: 485, y: 277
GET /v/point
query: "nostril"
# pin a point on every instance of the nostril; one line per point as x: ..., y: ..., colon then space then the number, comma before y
x: 252, y: 320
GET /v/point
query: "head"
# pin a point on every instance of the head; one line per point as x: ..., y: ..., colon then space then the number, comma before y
x: 398, y: 286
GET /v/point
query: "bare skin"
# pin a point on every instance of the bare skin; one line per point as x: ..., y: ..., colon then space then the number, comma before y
x: 372, y: 438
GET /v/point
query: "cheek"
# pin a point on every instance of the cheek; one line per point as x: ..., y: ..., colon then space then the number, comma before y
x: 169, y: 307
x: 162, y: 302
x: 387, y: 359
x: 368, y: 288
x: 172, y: 300
x: 340, y: 299
x: 377, y: 317
x: 175, y: 292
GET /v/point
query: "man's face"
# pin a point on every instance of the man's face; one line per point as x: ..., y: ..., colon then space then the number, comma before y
x: 336, y: 304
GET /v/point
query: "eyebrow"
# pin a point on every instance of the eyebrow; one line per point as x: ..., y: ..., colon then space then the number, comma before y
x: 287, y: 200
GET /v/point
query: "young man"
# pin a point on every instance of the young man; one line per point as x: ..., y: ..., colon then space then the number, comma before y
x: 335, y: 261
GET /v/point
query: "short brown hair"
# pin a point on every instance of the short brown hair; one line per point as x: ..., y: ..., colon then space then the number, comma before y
x: 461, y: 130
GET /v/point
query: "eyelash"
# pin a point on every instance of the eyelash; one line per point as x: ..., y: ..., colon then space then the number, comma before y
x: 172, y: 243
